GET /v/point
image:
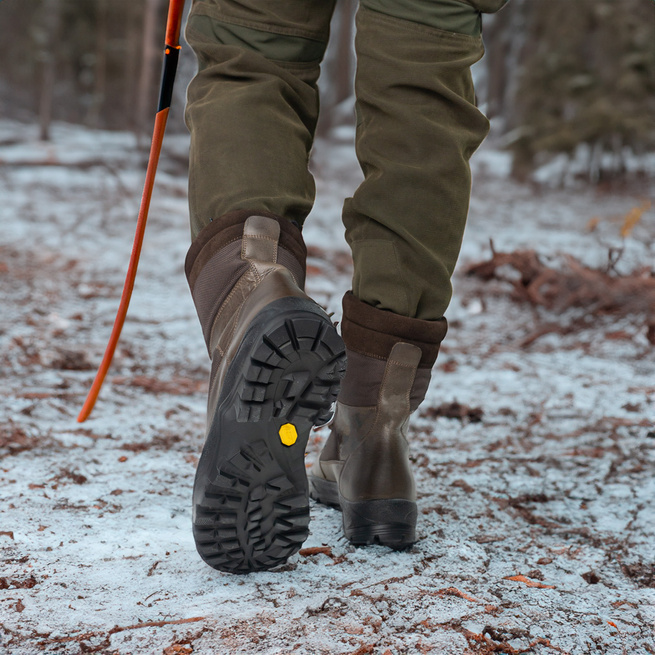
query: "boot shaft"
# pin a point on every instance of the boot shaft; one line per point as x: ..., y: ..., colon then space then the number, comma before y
x: 387, y: 376
x: 371, y: 441
x: 231, y: 256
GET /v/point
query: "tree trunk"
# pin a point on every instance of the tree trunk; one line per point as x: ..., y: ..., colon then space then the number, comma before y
x: 100, y: 86
x: 50, y: 23
x: 148, y: 63
x: 130, y: 68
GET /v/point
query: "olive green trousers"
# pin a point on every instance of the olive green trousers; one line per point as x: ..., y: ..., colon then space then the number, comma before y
x: 252, y: 111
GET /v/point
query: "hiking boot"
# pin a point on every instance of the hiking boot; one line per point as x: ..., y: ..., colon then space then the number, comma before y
x: 277, y: 361
x: 364, y: 468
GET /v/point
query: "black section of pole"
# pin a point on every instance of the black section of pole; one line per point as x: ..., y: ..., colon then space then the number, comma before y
x: 171, y: 55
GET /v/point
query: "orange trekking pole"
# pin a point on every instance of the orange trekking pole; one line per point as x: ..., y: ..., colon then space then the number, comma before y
x: 171, y: 54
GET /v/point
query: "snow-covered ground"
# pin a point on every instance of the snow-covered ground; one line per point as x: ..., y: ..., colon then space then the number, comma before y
x: 537, y: 524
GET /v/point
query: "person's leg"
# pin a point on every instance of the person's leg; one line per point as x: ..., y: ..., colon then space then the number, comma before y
x: 417, y: 128
x: 277, y: 359
x: 253, y: 105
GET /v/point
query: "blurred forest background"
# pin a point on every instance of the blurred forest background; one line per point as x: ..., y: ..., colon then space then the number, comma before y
x: 561, y: 77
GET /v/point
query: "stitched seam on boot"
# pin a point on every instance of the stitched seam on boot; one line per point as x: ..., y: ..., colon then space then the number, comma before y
x: 363, y: 352
x: 240, y: 309
x: 407, y: 395
x: 408, y: 401
x: 261, y: 238
x: 401, y: 364
x: 260, y: 278
x: 376, y: 421
x: 385, y: 377
x: 226, y: 301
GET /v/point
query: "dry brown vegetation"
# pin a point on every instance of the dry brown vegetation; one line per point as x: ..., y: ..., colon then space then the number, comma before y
x: 574, y: 286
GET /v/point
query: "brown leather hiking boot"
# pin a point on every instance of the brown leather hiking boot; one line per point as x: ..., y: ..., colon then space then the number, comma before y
x: 364, y: 467
x: 277, y: 361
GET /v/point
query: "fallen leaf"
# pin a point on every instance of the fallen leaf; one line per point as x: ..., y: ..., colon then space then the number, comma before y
x: 27, y: 583
x: 316, y: 550
x: 453, y: 591
x: 354, y: 629
x: 592, y: 224
x: 178, y: 649
x: 449, y: 366
x: 454, y: 410
x: 364, y: 650
x: 633, y: 217
x: 462, y: 484
x: 618, y: 335
x: 528, y: 582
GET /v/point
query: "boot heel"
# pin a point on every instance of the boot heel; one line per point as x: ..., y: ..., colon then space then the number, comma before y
x: 389, y: 523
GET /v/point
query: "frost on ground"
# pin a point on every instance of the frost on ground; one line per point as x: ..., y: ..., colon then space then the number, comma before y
x: 534, y: 452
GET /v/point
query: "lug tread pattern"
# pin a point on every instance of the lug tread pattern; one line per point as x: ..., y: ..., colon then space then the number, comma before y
x: 252, y: 516
x: 305, y: 394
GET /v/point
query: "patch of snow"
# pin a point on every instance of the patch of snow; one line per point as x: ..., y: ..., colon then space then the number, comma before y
x: 553, y: 487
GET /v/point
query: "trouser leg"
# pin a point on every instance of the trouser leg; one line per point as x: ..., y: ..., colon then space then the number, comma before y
x: 253, y: 105
x: 417, y: 128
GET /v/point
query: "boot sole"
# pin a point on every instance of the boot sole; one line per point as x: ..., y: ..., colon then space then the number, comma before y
x: 388, y: 522
x: 250, y: 498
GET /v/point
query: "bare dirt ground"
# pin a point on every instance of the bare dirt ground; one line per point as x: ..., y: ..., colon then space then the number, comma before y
x: 534, y: 451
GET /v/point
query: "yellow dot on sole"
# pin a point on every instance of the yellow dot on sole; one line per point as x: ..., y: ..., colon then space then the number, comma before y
x: 288, y: 434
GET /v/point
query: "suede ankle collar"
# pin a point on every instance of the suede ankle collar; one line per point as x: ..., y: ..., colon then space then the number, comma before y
x: 374, y: 332
x: 228, y: 228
